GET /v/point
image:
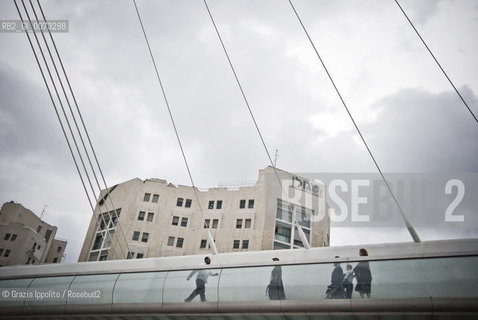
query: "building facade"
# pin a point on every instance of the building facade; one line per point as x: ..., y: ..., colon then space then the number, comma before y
x: 26, y: 239
x: 157, y: 218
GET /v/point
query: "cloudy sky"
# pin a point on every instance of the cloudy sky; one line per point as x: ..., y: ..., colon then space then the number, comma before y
x: 407, y: 110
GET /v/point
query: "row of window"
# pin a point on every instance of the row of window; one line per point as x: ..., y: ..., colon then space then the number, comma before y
x: 207, y: 223
x: 149, y: 217
x: 6, y: 254
x: 139, y: 255
x: 184, y: 221
x: 11, y: 237
x: 240, y: 224
x: 218, y: 204
x: 147, y: 197
x: 237, y: 244
x: 250, y: 204
x: 179, y: 242
x: 33, y: 261
x: 242, y: 204
x: 188, y: 202
x: 144, y: 238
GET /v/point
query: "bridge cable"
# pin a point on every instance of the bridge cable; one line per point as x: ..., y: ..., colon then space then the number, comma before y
x: 438, y: 63
x: 76, y: 124
x: 113, y: 213
x: 306, y: 244
x: 210, y: 238
x: 58, y: 96
x: 410, y: 228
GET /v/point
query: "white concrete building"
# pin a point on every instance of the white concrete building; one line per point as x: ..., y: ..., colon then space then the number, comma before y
x: 157, y: 218
x: 26, y: 239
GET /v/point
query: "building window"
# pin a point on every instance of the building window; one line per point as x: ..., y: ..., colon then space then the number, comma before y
x: 150, y: 216
x: 58, y: 249
x: 179, y: 244
x: 206, y: 223
x: 171, y: 241
x: 184, y: 222
x: 47, y: 235
x: 245, y: 244
x: 130, y: 255
x: 96, y: 245
x: 282, y: 233
x: 35, y: 244
x: 303, y: 216
x: 219, y: 204
x: 284, y: 211
x: 55, y: 260
x: 247, y: 225
x: 103, y: 255
x: 146, y: 197
x: 250, y: 205
x: 141, y: 215
x: 1, y: 252
x: 14, y: 237
x: 175, y: 220
x: 155, y: 198
x: 39, y: 229
x: 136, y: 236
x: 203, y: 244
x: 239, y: 224
x: 179, y: 202
x: 242, y: 204
x: 215, y: 222
x: 7, y: 253
x: 236, y: 244
x: 211, y: 204
x: 145, y: 237
x: 7, y: 236
x: 139, y: 255
x: 188, y: 203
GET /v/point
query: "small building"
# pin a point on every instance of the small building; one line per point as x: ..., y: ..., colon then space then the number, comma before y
x: 26, y: 239
x: 157, y: 218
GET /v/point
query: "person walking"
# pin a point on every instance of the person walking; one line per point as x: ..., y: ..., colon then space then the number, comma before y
x: 201, y: 280
x: 275, y: 289
x: 363, y: 275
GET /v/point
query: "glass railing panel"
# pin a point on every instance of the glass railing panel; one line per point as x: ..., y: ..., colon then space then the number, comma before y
x: 92, y: 289
x: 177, y: 287
x: 49, y: 291
x: 306, y: 282
x: 139, y: 288
x: 11, y: 296
x: 244, y: 284
x: 453, y: 277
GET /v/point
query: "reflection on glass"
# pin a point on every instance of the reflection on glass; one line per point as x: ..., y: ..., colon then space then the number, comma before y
x: 13, y: 283
x: 92, y: 289
x: 139, y: 287
x: 245, y: 284
x: 50, y: 290
x: 177, y: 287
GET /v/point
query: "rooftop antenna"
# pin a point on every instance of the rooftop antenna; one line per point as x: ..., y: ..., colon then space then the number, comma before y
x: 275, y: 158
x: 43, y: 211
